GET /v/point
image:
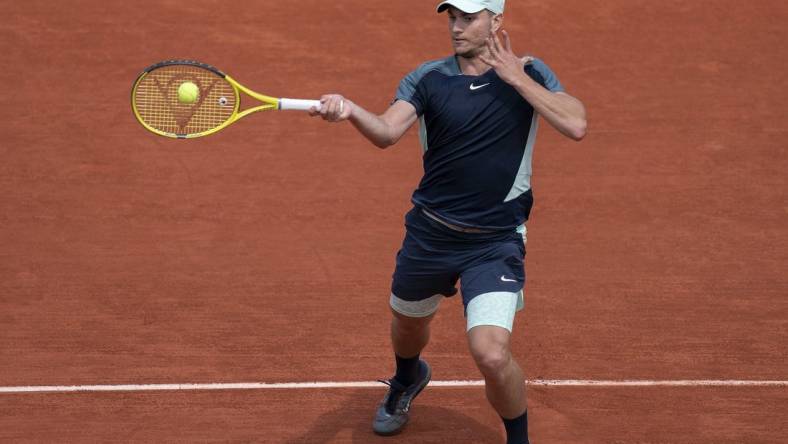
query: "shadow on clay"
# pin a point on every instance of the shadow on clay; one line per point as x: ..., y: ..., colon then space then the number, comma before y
x: 428, y: 424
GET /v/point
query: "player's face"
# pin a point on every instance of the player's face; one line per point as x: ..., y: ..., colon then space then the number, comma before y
x: 469, y: 32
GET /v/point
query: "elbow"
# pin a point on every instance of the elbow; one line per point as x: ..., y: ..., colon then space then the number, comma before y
x: 386, y: 141
x: 383, y: 143
x: 578, y: 131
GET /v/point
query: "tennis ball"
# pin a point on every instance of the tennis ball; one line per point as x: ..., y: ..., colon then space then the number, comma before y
x: 188, y: 92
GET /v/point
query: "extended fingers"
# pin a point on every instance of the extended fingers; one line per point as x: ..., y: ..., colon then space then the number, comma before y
x: 507, y: 42
x: 497, y: 43
x: 492, y: 48
x: 488, y: 61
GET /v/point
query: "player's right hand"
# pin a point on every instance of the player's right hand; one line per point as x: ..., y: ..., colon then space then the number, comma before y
x: 333, y: 108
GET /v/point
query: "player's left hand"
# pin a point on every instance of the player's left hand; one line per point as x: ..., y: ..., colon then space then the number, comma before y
x: 502, y: 59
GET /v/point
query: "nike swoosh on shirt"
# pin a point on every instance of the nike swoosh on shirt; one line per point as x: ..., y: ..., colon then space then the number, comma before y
x: 503, y: 278
x: 474, y: 87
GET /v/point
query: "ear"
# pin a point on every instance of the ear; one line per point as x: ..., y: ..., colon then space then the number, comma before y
x: 497, y: 23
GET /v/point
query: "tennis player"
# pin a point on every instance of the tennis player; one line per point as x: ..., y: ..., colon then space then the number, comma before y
x: 478, y: 116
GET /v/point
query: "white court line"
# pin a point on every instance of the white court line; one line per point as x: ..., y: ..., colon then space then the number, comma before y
x: 374, y: 384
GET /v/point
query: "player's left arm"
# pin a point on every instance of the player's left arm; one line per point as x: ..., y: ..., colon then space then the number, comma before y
x: 564, y: 112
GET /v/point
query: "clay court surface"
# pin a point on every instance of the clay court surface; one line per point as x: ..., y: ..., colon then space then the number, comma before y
x: 658, y: 247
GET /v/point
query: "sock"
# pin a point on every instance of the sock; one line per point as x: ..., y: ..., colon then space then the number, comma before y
x: 407, y: 370
x: 517, y: 429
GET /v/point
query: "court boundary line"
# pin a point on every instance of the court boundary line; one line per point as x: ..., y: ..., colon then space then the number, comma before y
x: 376, y: 384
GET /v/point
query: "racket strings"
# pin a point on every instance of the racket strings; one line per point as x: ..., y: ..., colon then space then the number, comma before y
x: 156, y: 100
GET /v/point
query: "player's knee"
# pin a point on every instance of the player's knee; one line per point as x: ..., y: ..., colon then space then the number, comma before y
x: 491, y: 357
x: 492, y: 362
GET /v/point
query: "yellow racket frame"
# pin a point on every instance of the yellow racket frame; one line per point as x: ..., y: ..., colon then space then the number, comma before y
x: 269, y: 103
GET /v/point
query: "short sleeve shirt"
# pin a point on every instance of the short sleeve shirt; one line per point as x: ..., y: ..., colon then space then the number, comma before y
x: 478, y: 135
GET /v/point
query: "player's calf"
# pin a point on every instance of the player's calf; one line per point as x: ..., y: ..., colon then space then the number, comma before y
x: 504, y: 380
x: 409, y: 335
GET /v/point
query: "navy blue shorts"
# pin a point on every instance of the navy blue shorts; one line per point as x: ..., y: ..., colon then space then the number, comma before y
x: 434, y: 257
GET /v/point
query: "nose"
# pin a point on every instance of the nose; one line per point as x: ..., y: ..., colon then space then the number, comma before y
x: 455, y: 27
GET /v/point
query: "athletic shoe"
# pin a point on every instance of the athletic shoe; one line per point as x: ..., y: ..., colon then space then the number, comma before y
x: 392, y: 413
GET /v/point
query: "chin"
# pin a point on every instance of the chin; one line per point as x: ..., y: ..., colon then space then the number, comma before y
x: 466, y: 53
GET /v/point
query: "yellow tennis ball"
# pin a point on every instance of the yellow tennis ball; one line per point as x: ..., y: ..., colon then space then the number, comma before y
x: 188, y: 92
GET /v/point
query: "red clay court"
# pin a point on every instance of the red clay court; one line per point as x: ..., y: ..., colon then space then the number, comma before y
x: 657, y: 252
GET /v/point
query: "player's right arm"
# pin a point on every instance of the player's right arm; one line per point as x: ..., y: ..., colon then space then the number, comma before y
x: 382, y: 130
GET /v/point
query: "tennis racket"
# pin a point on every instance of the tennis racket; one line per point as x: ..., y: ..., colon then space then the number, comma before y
x: 215, y: 104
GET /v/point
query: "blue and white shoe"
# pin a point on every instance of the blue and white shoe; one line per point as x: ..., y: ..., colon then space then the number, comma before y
x: 392, y: 413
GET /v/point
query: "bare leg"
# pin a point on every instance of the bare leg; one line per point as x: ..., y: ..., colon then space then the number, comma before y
x: 409, y: 335
x: 504, y: 380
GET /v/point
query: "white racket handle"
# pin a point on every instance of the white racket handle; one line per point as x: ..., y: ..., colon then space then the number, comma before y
x: 298, y: 105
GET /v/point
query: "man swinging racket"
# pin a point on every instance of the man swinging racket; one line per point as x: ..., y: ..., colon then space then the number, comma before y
x: 478, y: 116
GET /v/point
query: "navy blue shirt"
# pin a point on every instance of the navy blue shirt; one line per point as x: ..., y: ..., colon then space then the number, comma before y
x: 478, y: 134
